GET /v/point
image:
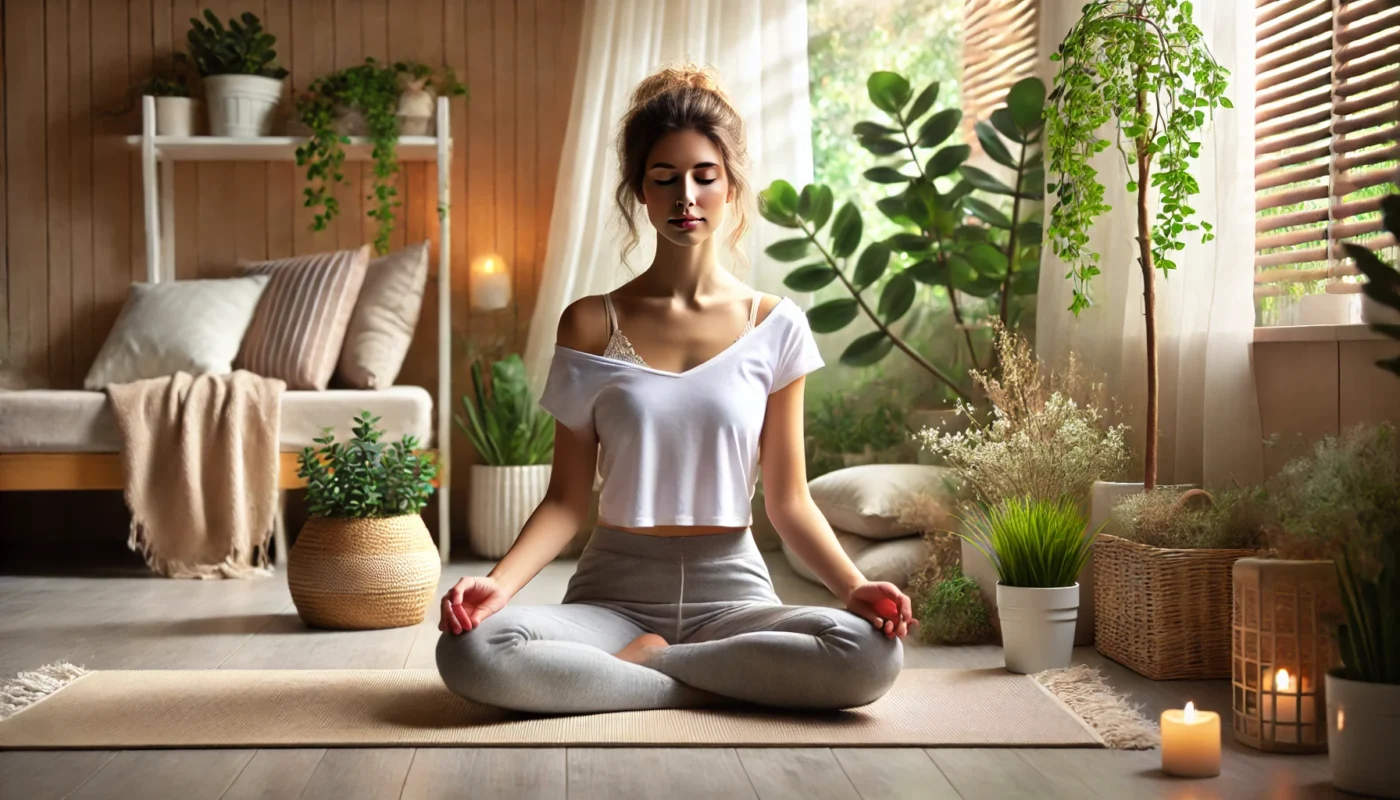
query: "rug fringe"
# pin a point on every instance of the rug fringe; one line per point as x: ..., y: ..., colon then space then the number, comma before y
x: 31, y: 687
x: 1121, y: 724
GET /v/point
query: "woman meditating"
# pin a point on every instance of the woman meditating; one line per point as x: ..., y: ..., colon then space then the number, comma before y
x: 680, y: 385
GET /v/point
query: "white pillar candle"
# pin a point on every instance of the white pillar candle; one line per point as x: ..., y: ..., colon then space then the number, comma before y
x: 490, y: 284
x: 1190, y: 742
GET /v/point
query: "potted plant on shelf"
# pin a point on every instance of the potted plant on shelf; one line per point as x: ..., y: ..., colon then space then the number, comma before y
x: 1143, y: 69
x: 1038, y: 547
x: 1163, y: 584
x: 515, y: 439
x: 364, y: 560
x: 1341, y: 503
x: 360, y: 100
x: 175, y: 109
x: 242, y: 83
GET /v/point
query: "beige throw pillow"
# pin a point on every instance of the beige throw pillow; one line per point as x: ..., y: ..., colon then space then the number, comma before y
x: 892, y: 560
x: 381, y: 329
x: 177, y: 326
x: 867, y: 500
x: 300, y: 321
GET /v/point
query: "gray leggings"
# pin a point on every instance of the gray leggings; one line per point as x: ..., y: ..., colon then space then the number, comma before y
x: 710, y: 597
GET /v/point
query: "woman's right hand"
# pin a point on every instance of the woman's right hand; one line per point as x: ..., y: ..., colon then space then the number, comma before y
x: 471, y: 600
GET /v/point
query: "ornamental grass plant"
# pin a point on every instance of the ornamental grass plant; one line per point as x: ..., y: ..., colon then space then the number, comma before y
x: 1033, y: 543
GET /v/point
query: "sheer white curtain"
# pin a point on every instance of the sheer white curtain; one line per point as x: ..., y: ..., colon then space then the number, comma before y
x: 1209, y: 430
x: 758, y: 49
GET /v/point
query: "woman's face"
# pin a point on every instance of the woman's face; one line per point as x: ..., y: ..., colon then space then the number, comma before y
x: 685, y: 187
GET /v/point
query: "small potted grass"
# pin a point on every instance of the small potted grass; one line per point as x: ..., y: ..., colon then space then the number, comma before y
x: 1038, y: 548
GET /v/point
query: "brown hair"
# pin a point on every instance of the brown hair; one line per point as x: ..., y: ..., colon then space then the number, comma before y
x: 678, y: 98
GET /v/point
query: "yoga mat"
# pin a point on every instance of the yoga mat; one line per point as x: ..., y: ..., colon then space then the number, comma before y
x: 131, y: 709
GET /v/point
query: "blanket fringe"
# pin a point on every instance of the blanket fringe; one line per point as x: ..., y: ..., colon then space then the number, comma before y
x: 31, y: 687
x: 230, y: 568
x: 1121, y: 724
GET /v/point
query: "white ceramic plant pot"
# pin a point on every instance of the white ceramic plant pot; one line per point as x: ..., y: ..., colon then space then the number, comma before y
x: 415, y: 112
x: 241, y: 105
x: 1037, y: 626
x: 503, y: 498
x: 175, y: 116
x: 1363, y: 725
x: 1373, y: 312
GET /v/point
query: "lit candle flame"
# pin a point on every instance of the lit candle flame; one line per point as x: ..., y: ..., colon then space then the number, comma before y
x: 1190, y: 714
x: 1341, y: 719
x: 1281, y: 680
x: 490, y: 266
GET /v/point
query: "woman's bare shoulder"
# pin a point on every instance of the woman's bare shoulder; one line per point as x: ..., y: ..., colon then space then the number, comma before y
x: 583, y: 325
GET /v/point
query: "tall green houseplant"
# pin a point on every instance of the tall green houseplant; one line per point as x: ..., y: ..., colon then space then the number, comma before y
x: 992, y: 259
x: 1143, y: 70
x: 505, y: 425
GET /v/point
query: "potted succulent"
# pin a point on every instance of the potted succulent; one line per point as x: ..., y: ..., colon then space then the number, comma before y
x: 1163, y: 583
x: 364, y: 560
x: 175, y: 108
x: 515, y: 439
x: 242, y: 82
x: 1341, y: 503
x: 1038, y: 547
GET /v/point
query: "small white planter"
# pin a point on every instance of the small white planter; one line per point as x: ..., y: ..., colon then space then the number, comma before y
x: 241, y: 105
x: 1363, y: 725
x: 175, y: 116
x: 1373, y: 312
x: 503, y: 498
x: 1037, y: 626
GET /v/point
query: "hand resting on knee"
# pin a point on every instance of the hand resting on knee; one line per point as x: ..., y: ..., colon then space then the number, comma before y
x: 471, y: 600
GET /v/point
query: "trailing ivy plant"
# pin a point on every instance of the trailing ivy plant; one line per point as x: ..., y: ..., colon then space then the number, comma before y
x: 364, y: 477
x: 1143, y: 69
x: 992, y: 259
x: 373, y: 89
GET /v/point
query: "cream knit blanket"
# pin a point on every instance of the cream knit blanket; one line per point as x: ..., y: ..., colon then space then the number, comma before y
x: 200, y: 457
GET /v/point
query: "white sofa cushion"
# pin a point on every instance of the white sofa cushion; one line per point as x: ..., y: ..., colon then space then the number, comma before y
x: 192, y: 326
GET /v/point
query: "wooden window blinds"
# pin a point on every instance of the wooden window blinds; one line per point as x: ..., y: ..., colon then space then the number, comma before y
x: 1327, y: 138
x: 999, y: 48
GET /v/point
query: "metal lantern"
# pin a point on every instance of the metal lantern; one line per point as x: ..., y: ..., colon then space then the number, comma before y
x: 1283, y: 644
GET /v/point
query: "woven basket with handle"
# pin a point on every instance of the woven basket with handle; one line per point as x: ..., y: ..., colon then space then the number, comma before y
x: 363, y: 574
x: 1164, y: 613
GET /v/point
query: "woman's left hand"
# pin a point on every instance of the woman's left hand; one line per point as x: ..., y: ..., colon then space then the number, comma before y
x: 865, y: 600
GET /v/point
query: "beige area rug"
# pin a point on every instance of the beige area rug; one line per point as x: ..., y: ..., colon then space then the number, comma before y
x: 63, y: 706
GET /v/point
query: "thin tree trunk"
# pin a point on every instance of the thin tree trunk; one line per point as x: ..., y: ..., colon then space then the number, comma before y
x: 1144, y: 164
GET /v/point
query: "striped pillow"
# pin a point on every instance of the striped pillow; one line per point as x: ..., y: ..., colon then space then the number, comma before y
x: 301, y: 318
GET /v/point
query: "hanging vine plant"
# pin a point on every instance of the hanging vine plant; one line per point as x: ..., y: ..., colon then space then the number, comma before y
x: 372, y: 90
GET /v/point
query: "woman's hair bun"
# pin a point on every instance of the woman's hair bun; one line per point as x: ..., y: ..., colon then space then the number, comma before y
x: 678, y: 76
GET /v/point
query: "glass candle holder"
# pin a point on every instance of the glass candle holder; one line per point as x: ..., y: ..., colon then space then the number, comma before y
x: 490, y: 283
x: 1283, y: 642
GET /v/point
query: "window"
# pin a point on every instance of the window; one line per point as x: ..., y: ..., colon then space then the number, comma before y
x: 1327, y: 140
x: 1000, y: 42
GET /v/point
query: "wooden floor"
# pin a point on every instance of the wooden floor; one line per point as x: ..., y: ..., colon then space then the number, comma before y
x: 113, y: 615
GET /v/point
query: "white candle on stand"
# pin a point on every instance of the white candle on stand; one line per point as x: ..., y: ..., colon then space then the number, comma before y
x: 490, y: 284
x: 1284, y: 709
x: 1190, y: 742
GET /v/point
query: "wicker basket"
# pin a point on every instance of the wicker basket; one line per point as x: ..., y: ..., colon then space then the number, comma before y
x: 363, y: 574
x: 1164, y: 613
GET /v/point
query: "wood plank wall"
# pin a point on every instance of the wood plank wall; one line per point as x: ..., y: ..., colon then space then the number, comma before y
x: 71, y: 226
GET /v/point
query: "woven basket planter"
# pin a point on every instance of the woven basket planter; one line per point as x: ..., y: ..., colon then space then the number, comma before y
x: 1163, y: 613
x: 363, y: 574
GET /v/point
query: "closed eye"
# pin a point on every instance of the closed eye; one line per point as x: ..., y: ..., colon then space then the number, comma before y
x: 673, y: 180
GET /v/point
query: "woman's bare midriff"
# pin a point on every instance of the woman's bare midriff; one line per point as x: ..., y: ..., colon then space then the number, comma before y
x: 674, y: 530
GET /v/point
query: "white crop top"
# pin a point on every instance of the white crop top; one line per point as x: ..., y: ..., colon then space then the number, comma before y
x: 681, y: 448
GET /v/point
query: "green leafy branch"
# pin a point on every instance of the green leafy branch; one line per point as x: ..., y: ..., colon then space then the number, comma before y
x: 1143, y: 66
x: 365, y: 477
x: 505, y: 425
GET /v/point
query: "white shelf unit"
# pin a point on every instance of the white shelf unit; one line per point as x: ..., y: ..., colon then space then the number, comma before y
x: 158, y: 154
